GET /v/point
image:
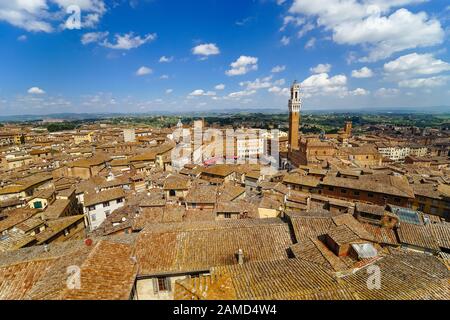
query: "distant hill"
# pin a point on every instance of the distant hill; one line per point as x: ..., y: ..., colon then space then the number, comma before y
x: 95, y: 116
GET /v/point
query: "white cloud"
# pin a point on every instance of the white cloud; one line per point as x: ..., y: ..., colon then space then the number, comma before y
x: 305, y: 29
x: 206, y: 49
x: 288, y: 20
x: 424, y: 82
x: 370, y: 23
x: 415, y: 64
x: 200, y: 93
x: 262, y: 83
x: 285, y: 40
x: 36, y: 90
x: 364, y: 72
x: 321, y: 68
x: 28, y: 15
x: 360, y: 92
x: 279, y: 91
x: 22, y: 38
x: 93, y: 37
x: 169, y: 91
x: 164, y: 77
x: 311, y: 43
x: 387, y: 92
x: 85, y: 5
x: 277, y: 69
x: 244, y: 21
x: 240, y: 94
x: 128, y: 41
x: 142, y: 71
x: 257, y: 84
x: 42, y: 15
x: 165, y: 59
x: 220, y: 87
x: 243, y: 65
x: 323, y: 84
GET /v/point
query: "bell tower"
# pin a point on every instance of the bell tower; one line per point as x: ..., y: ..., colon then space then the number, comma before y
x: 295, y: 105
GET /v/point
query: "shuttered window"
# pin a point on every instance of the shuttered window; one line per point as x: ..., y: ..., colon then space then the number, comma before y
x: 161, y: 284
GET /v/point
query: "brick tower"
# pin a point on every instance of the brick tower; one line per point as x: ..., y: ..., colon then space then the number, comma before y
x: 295, y: 105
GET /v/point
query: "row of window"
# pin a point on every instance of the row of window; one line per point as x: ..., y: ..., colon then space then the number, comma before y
x: 357, y: 193
x: 105, y: 204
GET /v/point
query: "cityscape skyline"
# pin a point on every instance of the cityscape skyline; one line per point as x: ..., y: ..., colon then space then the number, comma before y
x: 129, y: 57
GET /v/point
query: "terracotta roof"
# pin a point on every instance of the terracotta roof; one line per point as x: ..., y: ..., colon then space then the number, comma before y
x: 441, y: 233
x: 392, y: 185
x: 306, y: 226
x: 308, y: 181
x: 284, y: 279
x: 96, y: 160
x: 313, y: 250
x: 370, y: 208
x: 56, y: 226
x: 382, y: 235
x: 404, y: 276
x: 176, y: 182
x: 103, y: 196
x: 202, y: 194
x: 17, y: 280
x: 108, y: 273
x: 221, y: 170
x: 56, y: 209
x: 195, y: 246
x: 417, y: 235
x: 25, y: 183
x: 15, y: 217
x: 229, y: 192
x: 429, y: 191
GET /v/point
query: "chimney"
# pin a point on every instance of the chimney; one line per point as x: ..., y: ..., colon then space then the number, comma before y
x: 240, y: 256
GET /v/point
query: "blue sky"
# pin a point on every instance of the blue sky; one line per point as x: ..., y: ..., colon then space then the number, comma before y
x: 152, y: 55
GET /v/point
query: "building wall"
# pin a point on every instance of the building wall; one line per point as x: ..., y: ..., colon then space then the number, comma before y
x: 79, y: 172
x: 178, y: 194
x: 367, y: 160
x: 364, y: 196
x: 98, y: 213
x: 145, y: 289
x: 395, y: 153
x: 32, y: 203
x: 431, y: 206
x: 268, y: 213
x: 222, y: 216
x: 200, y: 206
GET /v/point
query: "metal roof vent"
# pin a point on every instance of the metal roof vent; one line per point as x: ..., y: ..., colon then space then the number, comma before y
x: 240, y: 256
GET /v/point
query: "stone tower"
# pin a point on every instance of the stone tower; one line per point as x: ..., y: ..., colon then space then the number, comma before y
x: 348, y: 128
x: 295, y: 104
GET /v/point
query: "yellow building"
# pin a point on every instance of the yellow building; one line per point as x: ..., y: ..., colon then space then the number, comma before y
x: 83, y: 137
x: 431, y: 199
